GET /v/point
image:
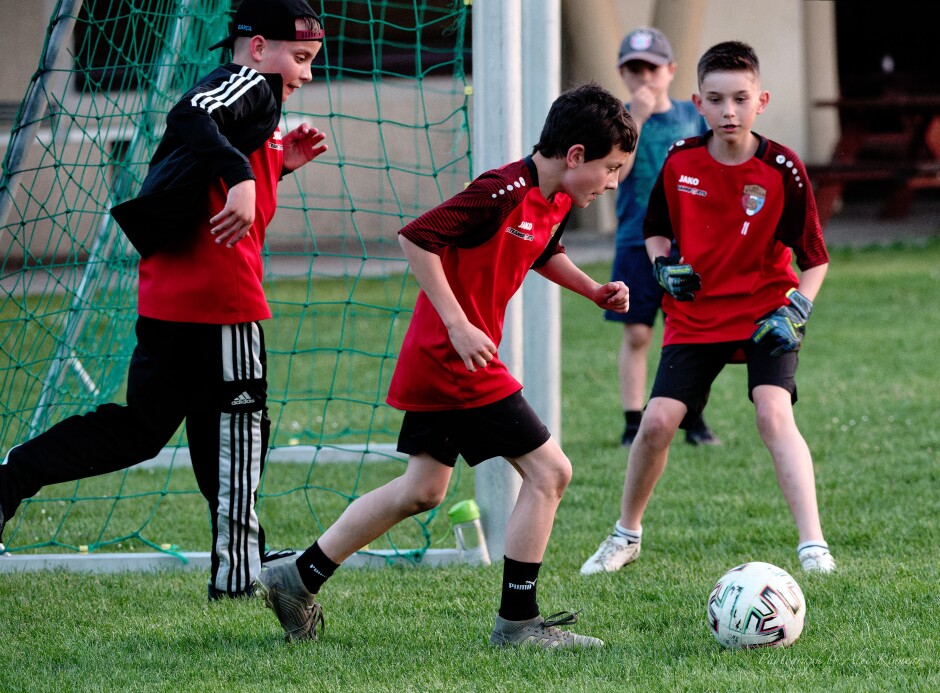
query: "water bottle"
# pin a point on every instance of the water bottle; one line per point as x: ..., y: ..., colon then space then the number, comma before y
x: 471, y: 544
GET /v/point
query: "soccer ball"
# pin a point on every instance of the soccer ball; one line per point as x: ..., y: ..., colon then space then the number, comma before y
x: 756, y: 605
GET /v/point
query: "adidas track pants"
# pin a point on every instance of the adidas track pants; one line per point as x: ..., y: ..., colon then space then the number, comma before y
x: 211, y: 376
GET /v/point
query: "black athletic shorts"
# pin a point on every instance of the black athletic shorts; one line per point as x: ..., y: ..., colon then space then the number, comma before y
x: 686, y: 371
x: 507, y: 428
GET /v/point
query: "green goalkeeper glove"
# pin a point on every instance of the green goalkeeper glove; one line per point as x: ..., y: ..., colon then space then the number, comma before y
x: 786, y: 325
x: 679, y: 281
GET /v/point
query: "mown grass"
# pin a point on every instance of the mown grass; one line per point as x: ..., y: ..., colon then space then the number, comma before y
x: 868, y: 409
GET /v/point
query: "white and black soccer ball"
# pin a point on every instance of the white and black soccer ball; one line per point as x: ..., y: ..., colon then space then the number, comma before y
x: 756, y: 605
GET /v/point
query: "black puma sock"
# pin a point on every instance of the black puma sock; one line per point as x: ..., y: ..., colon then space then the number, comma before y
x: 518, y: 601
x: 315, y: 568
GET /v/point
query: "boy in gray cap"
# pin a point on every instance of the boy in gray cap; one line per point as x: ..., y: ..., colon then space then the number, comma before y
x: 647, y: 67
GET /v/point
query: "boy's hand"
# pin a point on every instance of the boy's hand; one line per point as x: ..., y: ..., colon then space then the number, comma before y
x: 786, y: 325
x: 473, y: 346
x: 613, y: 296
x: 642, y: 103
x: 302, y: 145
x: 234, y: 221
x: 679, y: 281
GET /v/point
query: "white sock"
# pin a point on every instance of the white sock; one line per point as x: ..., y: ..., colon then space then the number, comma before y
x: 808, y: 545
x: 631, y: 535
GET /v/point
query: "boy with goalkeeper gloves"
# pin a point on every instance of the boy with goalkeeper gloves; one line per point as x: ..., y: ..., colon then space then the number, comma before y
x: 736, y: 204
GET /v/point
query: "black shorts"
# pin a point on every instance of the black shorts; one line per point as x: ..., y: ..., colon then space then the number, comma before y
x: 507, y: 428
x: 686, y: 371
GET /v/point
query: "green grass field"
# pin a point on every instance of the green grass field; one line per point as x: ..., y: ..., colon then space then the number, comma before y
x: 868, y: 409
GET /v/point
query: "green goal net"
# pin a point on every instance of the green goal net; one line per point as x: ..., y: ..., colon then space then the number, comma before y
x: 390, y: 91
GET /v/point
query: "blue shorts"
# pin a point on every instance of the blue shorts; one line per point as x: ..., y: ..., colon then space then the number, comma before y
x: 686, y: 371
x: 507, y: 428
x: 632, y: 266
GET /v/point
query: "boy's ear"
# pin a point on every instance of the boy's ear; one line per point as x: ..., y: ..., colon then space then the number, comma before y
x: 697, y: 101
x: 575, y: 156
x: 762, y: 100
x: 256, y: 47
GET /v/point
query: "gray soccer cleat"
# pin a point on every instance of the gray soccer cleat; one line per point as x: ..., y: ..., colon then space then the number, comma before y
x: 283, y: 591
x: 612, y: 555
x: 539, y: 632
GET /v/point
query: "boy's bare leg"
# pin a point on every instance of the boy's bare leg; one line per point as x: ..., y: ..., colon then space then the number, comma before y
x: 545, y: 473
x: 792, y: 459
x: 632, y: 361
x: 422, y: 487
x: 648, y: 456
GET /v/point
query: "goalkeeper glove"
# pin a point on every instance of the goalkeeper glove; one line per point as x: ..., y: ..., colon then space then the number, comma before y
x: 786, y: 325
x: 679, y: 281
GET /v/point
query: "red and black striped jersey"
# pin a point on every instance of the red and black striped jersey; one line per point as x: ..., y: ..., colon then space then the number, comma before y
x: 739, y: 227
x: 488, y: 237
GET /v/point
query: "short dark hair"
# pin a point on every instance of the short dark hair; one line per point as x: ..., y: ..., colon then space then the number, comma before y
x: 730, y: 56
x: 588, y: 115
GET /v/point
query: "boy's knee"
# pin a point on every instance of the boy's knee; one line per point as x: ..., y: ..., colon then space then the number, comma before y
x: 555, y: 474
x: 426, y: 498
x: 657, y: 429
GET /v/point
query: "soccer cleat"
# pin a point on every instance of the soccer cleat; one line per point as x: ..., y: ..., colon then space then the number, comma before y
x: 701, y: 434
x: 817, y: 560
x: 217, y: 594
x: 283, y: 591
x: 539, y: 632
x: 612, y: 555
x: 270, y: 555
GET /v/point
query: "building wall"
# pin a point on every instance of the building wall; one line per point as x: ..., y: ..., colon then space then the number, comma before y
x: 793, y: 38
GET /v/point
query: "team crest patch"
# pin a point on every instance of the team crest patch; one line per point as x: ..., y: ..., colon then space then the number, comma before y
x: 753, y: 199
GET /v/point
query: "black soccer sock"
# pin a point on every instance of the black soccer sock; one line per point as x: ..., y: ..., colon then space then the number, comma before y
x: 632, y: 418
x: 315, y: 568
x: 518, y: 601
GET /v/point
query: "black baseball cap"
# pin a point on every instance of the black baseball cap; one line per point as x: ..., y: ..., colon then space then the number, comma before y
x: 273, y: 19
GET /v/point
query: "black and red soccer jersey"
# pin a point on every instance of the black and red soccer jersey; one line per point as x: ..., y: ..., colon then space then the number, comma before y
x: 207, y: 282
x: 488, y: 237
x: 739, y: 227
x: 228, y: 124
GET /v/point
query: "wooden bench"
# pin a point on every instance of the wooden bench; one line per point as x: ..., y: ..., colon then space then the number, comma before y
x: 902, y: 180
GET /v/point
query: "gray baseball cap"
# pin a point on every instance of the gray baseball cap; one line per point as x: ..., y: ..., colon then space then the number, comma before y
x: 647, y: 44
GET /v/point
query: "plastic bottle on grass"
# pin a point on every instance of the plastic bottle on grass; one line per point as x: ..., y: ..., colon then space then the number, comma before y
x: 465, y: 519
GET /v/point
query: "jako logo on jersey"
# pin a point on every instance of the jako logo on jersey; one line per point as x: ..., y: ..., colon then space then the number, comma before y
x: 753, y: 199
x: 689, y: 184
x: 275, y: 141
x: 520, y: 234
x: 525, y: 225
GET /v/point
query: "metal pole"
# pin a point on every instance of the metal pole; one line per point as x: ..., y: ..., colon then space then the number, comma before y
x: 34, y: 104
x: 497, y: 118
x: 541, y: 84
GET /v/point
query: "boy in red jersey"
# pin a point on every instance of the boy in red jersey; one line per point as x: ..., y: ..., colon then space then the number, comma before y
x: 736, y: 204
x: 199, y: 223
x: 470, y: 255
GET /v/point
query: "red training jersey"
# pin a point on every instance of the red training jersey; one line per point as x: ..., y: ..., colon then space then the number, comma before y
x: 203, y: 281
x: 736, y: 226
x: 488, y: 237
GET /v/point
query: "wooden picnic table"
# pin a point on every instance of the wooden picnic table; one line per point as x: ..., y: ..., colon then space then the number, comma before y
x: 893, y: 138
